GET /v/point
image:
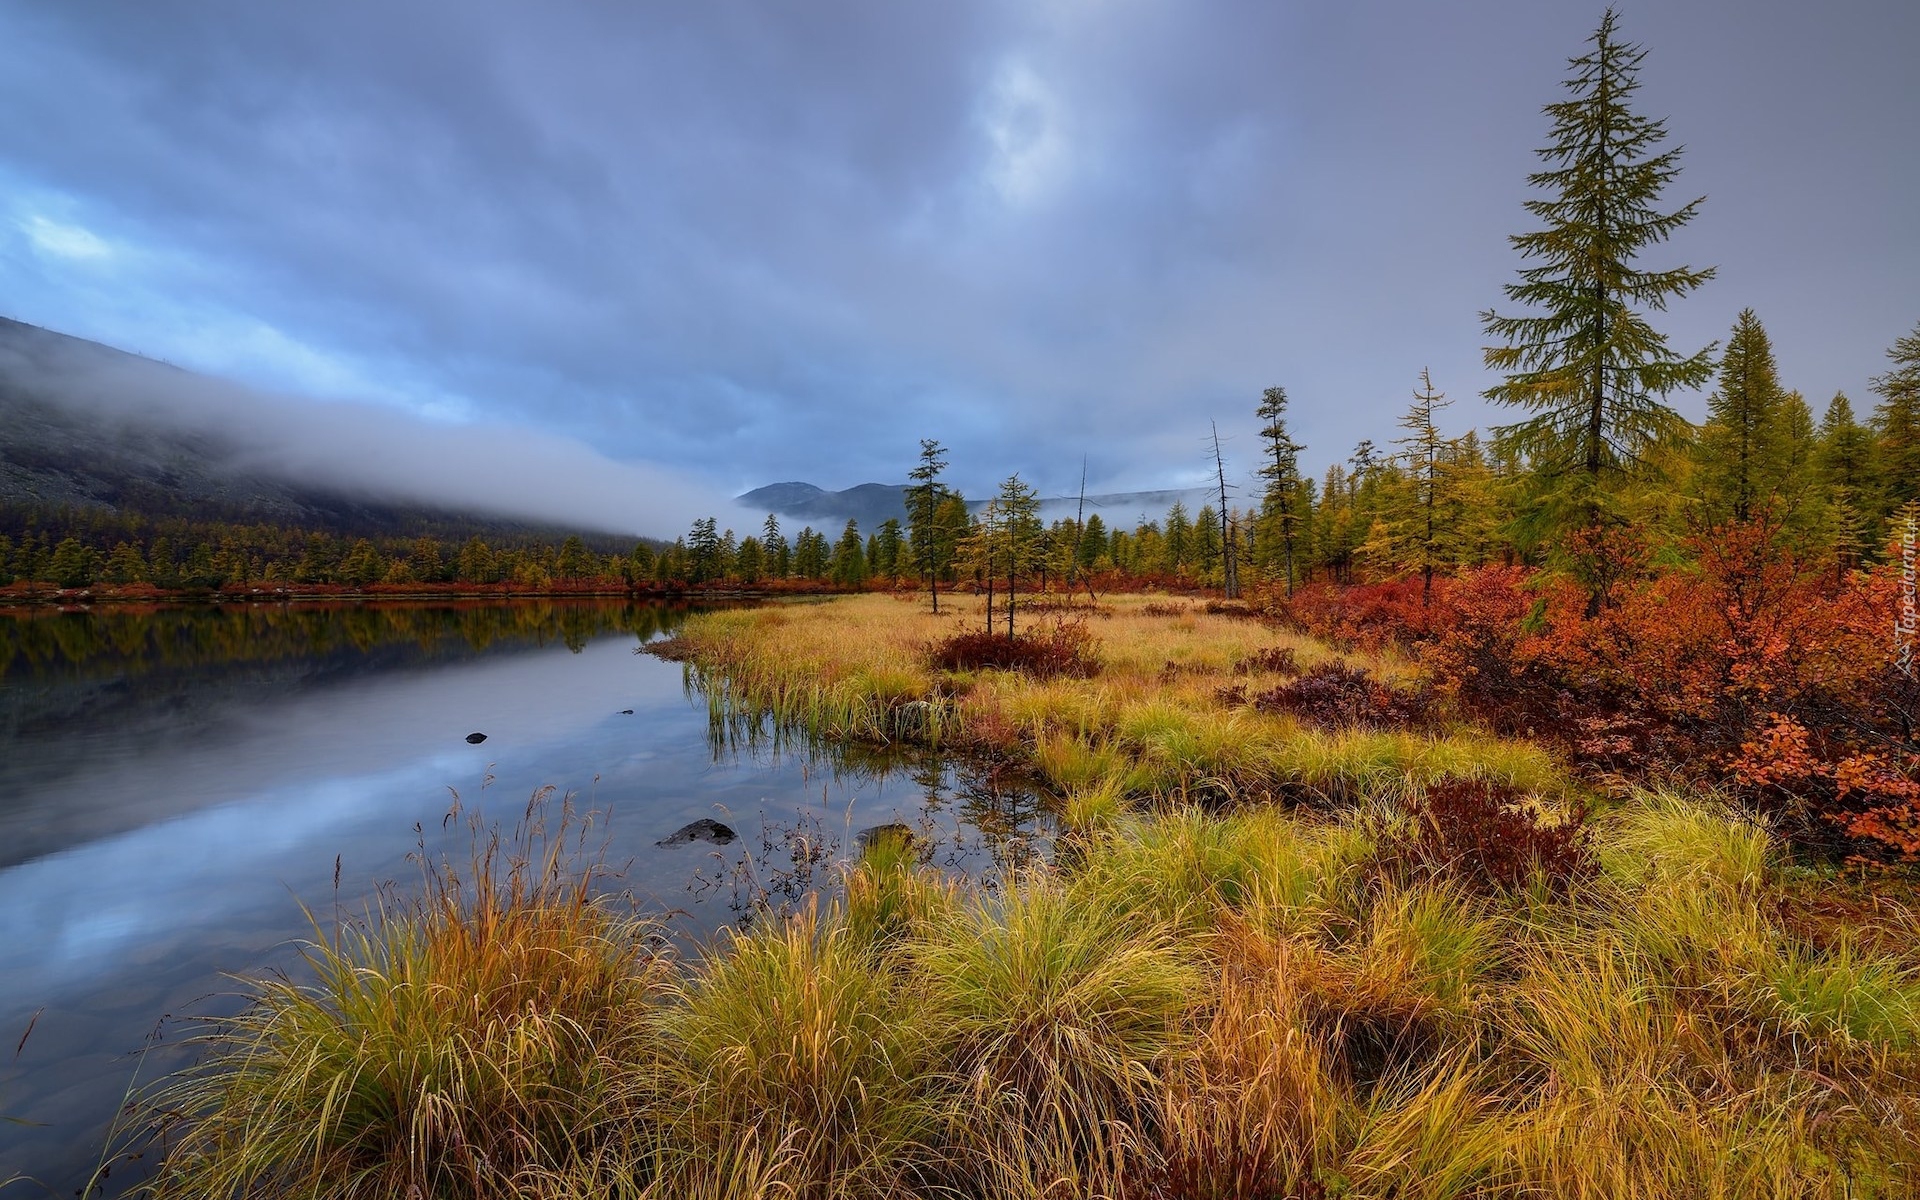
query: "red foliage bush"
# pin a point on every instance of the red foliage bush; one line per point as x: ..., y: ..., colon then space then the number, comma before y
x: 1279, y: 660
x: 1366, y: 616
x: 1333, y: 695
x: 1487, y: 836
x: 1065, y: 648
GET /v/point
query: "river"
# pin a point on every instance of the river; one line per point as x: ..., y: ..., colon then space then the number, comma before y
x: 180, y: 786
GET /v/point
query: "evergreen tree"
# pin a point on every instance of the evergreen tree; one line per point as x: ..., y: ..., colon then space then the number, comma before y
x: 1018, y: 546
x: 1896, y: 425
x: 475, y: 563
x: 750, y: 562
x: 73, y: 563
x: 931, y: 541
x: 1282, y: 473
x: 778, y: 555
x: 1207, y: 550
x: 811, y: 554
x: 1179, y: 531
x: 1416, y: 535
x: 887, y: 546
x: 1743, y: 453
x: 124, y: 565
x: 640, y: 561
x: 849, y: 563
x: 1585, y: 362
x: 703, y: 551
x: 1093, y: 542
x: 951, y: 522
x: 1843, y: 467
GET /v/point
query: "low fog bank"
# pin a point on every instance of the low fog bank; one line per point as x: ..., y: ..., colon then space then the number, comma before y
x: 362, y: 449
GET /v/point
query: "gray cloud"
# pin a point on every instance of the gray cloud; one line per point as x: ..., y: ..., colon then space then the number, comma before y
x: 761, y: 241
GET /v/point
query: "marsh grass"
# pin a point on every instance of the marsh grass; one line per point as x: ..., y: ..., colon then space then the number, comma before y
x: 794, y: 1037
x: 445, y: 1044
x: 1229, y: 984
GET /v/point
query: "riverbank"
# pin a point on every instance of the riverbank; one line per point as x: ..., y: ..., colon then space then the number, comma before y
x: 1307, y: 934
x: 45, y: 595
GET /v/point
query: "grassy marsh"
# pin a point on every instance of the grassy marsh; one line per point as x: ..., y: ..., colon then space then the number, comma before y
x: 1231, y: 984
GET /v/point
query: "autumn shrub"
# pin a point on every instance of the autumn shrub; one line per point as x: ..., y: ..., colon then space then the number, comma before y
x: 1492, y: 837
x: 1366, y: 616
x: 1277, y: 660
x: 1336, y: 695
x: 1065, y: 648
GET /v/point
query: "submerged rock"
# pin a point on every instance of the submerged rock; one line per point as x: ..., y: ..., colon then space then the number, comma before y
x: 474, y: 739
x: 706, y: 829
x: 892, y: 831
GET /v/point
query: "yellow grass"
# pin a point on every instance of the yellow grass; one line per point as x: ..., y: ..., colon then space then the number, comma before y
x: 1165, y: 718
x: 1235, y: 998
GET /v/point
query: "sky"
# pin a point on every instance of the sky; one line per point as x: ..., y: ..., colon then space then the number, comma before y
x: 734, y: 243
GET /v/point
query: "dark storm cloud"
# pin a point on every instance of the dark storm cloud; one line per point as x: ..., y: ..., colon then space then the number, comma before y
x: 773, y: 241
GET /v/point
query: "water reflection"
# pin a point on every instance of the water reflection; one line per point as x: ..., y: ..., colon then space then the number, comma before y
x: 175, y: 783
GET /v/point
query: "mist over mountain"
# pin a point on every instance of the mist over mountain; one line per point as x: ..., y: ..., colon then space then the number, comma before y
x: 86, y: 425
x: 872, y: 503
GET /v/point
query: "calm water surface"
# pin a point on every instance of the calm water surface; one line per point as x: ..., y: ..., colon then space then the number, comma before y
x: 174, y: 785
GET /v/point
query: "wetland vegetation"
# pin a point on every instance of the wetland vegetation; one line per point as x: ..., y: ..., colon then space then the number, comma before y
x: 1271, y: 956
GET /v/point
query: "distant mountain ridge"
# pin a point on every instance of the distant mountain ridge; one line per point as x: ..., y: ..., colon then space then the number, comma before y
x: 62, y: 445
x: 871, y: 504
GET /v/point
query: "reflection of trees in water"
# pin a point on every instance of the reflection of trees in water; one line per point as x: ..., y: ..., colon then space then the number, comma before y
x: 37, y: 643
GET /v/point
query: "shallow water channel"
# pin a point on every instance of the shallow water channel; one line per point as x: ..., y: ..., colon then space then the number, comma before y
x: 176, y: 784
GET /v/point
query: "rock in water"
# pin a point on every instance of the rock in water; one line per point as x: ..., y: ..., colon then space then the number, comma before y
x: 474, y: 739
x: 892, y: 831
x: 706, y: 829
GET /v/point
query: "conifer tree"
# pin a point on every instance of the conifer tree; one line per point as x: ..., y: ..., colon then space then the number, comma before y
x: 1019, y: 536
x: 1282, y: 473
x: 639, y: 563
x: 849, y: 557
x: 1843, y: 466
x: 1179, y: 532
x: 1207, y: 548
x: 1896, y: 425
x: 1744, y: 450
x: 750, y: 562
x: 932, y: 545
x: 775, y: 553
x: 1584, y: 361
x: 810, y: 554
x: 1415, y: 536
x: 1093, y: 542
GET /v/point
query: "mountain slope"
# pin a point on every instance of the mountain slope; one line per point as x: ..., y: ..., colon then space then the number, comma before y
x: 74, y: 433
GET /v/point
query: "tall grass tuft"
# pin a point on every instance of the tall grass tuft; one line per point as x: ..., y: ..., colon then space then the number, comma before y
x: 1053, y: 1018
x: 453, y: 1045
x: 794, y: 1037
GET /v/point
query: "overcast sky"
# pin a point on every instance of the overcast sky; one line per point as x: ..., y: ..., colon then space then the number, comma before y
x: 769, y: 241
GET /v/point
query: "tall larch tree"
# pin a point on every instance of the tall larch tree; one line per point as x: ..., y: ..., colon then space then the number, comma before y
x: 1583, y: 359
x: 1415, y: 535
